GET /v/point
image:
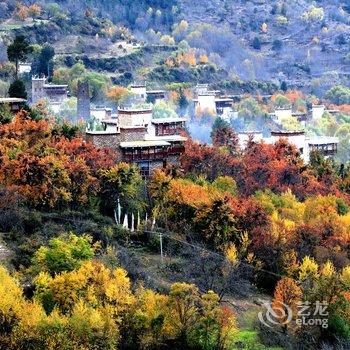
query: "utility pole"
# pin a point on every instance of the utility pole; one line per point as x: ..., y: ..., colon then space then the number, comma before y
x: 161, y: 246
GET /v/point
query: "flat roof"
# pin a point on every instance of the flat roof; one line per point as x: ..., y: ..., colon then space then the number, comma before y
x: 55, y: 86
x: 322, y: 140
x: 110, y: 121
x: 102, y: 132
x: 140, y: 144
x: 223, y: 99
x: 134, y: 110
x: 168, y: 120
x: 287, y: 133
x: 167, y: 138
x: 155, y: 91
x: 11, y: 99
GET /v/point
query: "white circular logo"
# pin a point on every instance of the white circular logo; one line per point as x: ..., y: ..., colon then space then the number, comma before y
x: 273, y: 316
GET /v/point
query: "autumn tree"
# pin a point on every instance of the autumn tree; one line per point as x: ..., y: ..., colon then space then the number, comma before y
x: 34, y: 11
x: 61, y: 172
x: 118, y: 94
x: 286, y: 298
x: 21, y: 11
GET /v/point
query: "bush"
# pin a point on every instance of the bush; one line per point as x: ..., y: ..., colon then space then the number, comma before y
x: 18, y: 89
x: 277, y: 45
x: 313, y: 14
x: 63, y: 254
x: 338, y: 327
x: 256, y: 43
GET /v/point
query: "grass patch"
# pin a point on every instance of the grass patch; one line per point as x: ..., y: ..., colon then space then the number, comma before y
x: 249, y: 340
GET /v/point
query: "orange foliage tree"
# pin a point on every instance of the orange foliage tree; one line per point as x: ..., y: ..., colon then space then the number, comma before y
x: 286, y: 298
x: 47, y: 168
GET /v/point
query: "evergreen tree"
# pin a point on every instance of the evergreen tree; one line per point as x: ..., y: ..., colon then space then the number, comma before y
x: 256, y: 43
x: 18, y: 89
x: 18, y: 51
x: 43, y: 64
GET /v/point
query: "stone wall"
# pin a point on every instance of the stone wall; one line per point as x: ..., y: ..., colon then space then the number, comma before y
x: 173, y: 160
x: 104, y: 140
x: 132, y: 134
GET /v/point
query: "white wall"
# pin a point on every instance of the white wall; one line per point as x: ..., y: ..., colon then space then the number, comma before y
x: 318, y: 111
x: 283, y: 113
x: 140, y: 91
x: 206, y: 102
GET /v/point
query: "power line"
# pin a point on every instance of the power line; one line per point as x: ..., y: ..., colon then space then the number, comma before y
x: 162, y: 234
x: 213, y: 253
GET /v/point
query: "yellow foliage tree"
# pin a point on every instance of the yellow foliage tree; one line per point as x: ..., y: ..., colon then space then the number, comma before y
x: 308, y: 269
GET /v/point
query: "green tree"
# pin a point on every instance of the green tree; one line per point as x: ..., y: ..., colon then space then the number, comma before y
x: 182, y: 101
x: 339, y: 95
x: 44, y: 62
x: 163, y: 110
x: 5, y: 114
x: 249, y: 109
x: 281, y: 101
x: 17, y: 89
x: 18, y: 51
x: 122, y: 185
x: 65, y: 253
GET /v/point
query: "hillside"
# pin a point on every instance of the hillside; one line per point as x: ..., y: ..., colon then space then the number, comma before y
x: 303, y: 44
x: 295, y: 43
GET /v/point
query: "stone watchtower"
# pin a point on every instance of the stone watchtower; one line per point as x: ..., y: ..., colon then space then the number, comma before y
x: 83, y: 103
x: 38, y: 89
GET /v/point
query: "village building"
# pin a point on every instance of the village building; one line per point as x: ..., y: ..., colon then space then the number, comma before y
x: 156, y: 96
x: 101, y: 113
x: 282, y: 113
x: 24, y: 67
x: 138, y: 138
x: 245, y: 136
x: 327, y: 146
x: 211, y: 100
x: 139, y: 91
x: 317, y: 111
x: 83, y: 101
x: 142, y: 94
x: 12, y: 104
x: 54, y: 93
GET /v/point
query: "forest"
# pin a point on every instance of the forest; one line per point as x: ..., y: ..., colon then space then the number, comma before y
x: 275, y: 223
x: 234, y: 246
